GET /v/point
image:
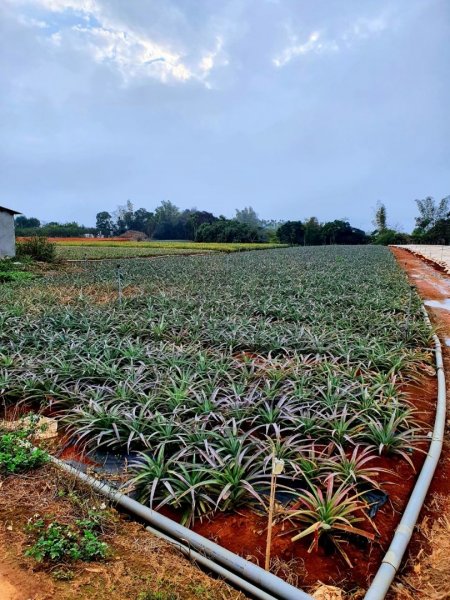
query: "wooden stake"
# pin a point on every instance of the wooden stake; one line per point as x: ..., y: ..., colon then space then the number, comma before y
x: 277, y: 469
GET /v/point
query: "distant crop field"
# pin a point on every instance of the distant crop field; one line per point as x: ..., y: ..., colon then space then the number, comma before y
x: 80, y: 249
x: 232, y: 247
x: 99, y: 252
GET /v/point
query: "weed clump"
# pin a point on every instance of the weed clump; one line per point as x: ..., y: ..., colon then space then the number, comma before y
x: 59, y: 542
x: 37, y: 248
x: 17, y: 454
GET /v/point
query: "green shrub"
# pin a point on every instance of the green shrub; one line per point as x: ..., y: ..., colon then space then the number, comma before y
x: 38, y: 248
x: 18, y: 454
x: 60, y: 542
x: 11, y: 270
x: 390, y: 236
x: 15, y: 276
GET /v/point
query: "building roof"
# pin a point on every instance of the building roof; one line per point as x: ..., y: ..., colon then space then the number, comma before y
x: 9, y: 210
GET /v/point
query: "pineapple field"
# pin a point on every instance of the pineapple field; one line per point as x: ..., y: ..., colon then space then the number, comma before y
x: 200, y: 371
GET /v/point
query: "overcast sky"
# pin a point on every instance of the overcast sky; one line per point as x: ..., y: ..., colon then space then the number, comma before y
x: 295, y: 107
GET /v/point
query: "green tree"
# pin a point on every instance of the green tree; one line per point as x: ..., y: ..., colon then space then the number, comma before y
x: 228, y: 231
x: 195, y: 219
x: 341, y: 232
x: 248, y: 216
x: 143, y: 221
x: 104, y: 223
x: 390, y: 236
x: 124, y: 217
x: 313, y: 232
x: 168, y: 222
x: 291, y: 232
x: 430, y: 213
x: 380, y: 220
x: 26, y: 223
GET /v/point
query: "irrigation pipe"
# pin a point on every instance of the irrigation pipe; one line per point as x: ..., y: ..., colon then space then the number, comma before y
x: 265, y: 585
x: 212, y: 566
x: 391, y: 562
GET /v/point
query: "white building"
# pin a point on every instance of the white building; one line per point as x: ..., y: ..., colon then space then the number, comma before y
x: 7, y: 235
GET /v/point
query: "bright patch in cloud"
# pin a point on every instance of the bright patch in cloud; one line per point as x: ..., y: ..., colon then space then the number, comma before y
x: 133, y: 53
x: 361, y: 29
x: 314, y: 43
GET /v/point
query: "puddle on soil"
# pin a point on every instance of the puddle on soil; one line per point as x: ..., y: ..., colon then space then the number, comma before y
x: 447, y: 342
x: 444, y: 304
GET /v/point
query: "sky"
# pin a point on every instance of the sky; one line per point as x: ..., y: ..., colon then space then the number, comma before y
x: 294, y: 107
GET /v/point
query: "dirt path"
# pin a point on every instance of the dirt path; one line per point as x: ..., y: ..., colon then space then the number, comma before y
x: 426, y: 575
x: 7, y: 591
x: 16, y: 583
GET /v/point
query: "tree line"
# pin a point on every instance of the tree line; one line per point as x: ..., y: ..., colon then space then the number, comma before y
x: 168, y: 222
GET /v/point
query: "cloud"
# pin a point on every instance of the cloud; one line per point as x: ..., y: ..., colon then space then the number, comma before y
x: 109, y: 100
x: 314, y: 43
x: 92, y: 27
x: 360, y: 29
x: 87, y: 6
x: 131, y: 54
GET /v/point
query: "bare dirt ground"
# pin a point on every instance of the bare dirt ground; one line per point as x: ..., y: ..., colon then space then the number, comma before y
x: 139, y: 567
x: 426, y: 574
x: 433, y: 254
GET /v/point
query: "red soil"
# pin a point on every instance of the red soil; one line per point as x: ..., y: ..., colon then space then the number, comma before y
x: 80, y: 239
x: 245, y: 532
x: 432, y: 284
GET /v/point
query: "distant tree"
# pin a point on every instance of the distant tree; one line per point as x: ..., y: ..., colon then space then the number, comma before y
x: 313, y: 232
x: 433, y: 223
x: 25, y: 223
x: 104, y: 223
x: 389, y: 237
x: 168, y: 222
x: 167, y: 212
x: 228, y: 231
x: 430, y: 213
x: 380, y: 220
x: 248, y: 216
x: 72, y: 229
x: 143, y: 221
x: 195, y: 219
x: 124, y: 216
x: 439, y: 233
x: 291, y: 232
x: 341, y: 232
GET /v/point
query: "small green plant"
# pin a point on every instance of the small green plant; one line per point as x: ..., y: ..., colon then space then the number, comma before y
x: 38, y: 248
x: 11, y: 271
x: 60, y: 542
x: 15, y: 276
x: 17, y: 454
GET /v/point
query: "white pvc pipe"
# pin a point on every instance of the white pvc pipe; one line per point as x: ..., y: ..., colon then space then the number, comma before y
x: 212, y: 566
x: 392, y: 560
x: 242, y: 569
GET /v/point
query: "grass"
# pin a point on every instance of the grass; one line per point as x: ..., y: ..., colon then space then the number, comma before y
x: 211, y: 364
